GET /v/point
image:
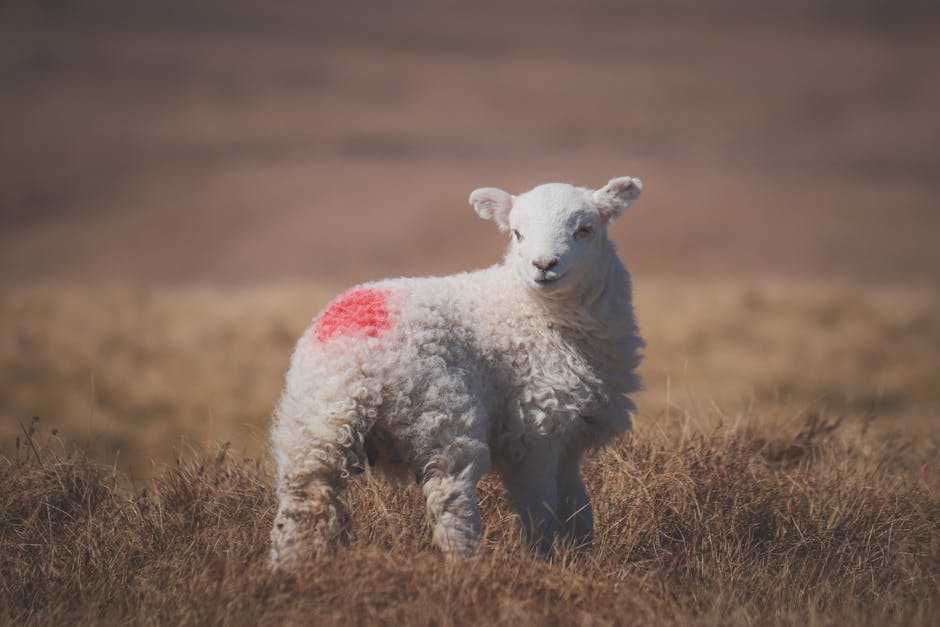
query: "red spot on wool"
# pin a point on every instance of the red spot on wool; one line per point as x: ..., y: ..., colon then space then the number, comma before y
x: 361, y: 311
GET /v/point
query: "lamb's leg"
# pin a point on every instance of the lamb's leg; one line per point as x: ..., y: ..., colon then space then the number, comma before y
x: 314, y: 465
x: 453, y: 512
x: 574, y: 505
x: 533, y: 493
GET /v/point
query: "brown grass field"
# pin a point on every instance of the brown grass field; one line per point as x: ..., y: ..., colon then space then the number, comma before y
x: 783, y: 471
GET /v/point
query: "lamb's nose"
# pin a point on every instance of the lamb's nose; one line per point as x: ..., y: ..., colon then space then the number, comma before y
x: 545, y: 263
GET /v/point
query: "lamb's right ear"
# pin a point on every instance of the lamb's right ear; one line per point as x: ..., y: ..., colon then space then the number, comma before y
x: 493, y: 204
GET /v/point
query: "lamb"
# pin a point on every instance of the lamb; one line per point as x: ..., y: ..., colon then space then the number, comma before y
x: 520, y: 368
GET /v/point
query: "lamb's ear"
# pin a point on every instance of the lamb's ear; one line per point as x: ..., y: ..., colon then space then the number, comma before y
x: 614, y: 198
x: 493, y: 204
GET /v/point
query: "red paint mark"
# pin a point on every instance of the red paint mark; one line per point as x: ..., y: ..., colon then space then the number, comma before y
x: 360, y: 311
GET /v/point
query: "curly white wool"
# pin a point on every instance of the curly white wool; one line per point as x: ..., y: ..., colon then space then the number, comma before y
x: 521, y: 368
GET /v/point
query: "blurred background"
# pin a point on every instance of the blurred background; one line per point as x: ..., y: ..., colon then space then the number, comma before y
x: 182, y: 184
x: 157, y: 142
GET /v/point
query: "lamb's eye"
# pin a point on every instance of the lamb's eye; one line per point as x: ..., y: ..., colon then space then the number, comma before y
x: 517, y: 235
x: 582, y: 232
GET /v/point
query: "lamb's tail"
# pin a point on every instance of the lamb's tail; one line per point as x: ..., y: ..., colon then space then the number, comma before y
x: 315, y: 456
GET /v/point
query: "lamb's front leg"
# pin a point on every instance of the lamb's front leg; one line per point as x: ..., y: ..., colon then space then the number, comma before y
x: 533, y: 492
x: 453, y: 514
x: 574, y: 504
x: 452, y: 505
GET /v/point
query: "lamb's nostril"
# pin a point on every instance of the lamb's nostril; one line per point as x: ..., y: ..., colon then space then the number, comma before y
x: 544, y: 264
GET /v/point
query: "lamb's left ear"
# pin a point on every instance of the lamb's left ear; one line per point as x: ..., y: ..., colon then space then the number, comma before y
x: 613, y: 199
x: 493, y: 204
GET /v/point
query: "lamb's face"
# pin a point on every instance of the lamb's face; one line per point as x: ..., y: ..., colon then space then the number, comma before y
x: 556, y: 236
x: 558, y: 231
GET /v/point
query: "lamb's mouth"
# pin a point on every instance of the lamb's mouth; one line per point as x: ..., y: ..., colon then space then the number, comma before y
x: 548, y: 280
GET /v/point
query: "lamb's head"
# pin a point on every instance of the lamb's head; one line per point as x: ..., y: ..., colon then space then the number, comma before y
x: 558, y: 231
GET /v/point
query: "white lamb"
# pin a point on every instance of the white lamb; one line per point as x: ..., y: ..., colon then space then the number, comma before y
x: 521, y: 368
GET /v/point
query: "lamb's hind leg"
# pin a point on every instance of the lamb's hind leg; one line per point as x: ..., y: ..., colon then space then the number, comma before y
x: 315, y: 459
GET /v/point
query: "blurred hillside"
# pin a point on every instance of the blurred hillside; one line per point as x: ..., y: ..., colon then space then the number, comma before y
x: 135, y: 375
x: 167, y: 142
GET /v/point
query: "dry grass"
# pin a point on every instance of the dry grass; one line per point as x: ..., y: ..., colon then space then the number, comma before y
x: 783, y: 471
x: 722, y: 528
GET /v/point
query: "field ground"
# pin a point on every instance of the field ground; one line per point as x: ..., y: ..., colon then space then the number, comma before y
x: 783, y: 469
